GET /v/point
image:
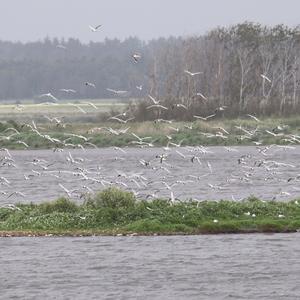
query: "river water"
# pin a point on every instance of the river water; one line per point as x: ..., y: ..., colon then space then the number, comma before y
x: 214, y: 173
x: 252, y: 266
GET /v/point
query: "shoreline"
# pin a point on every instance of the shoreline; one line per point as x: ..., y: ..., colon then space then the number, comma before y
x: 217, y: 132
x: 7, y: 234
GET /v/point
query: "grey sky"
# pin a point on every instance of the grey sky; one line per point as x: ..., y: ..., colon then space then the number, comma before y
x: 30, y: 20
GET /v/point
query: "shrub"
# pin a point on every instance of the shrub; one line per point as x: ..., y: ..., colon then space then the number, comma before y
x: 60, y: 205
x: 114, y: 198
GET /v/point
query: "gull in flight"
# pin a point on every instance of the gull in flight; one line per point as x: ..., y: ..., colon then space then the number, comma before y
x: 49, y: 95
x: 56, y: 120
x: 19, y: 107
x: 78, y: 107
x: 136, y: 57
x: 180, y: 105
x: 222, y: 129
x: 163, y: 121
x: 90, y: 104
x: 153, y: 99
x: 177, y: 145
x: 117, y: 92
x: 202, y: 96
x: 139, y: 87
x: 172, y: 198
x: 141, y: 139
x: 90, y: 84
x: 11, y: 129
x: 60, y: 46
x: 174, y: 128
x: 10, y: 206
x: 209, y: 166
x: 274, y: 134
x: 123, y: 114
x: 192, y: 74
x: 253, y: 117
x: 23, y: 143
x: 265, y: 78
x: 69, y: 193
x: 204, y: 118
x: 182, y: 155
x: 94, y: 29
x: 221, y: 108
x: 17, y: 194
x: 157, y: 106
x: 120, y: 149
x: 68, y: 91
x: 120, y: 120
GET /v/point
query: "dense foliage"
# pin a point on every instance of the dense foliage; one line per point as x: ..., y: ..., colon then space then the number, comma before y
x: 113, y: 211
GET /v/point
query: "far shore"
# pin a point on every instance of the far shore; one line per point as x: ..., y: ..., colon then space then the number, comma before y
x: 213, y: 132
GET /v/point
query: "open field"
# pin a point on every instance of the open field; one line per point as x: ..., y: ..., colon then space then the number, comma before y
x: 72, y: 110
x: 114, y: 212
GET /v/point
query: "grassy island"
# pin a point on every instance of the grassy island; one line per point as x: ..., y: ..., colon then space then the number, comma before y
x: 116, y: 212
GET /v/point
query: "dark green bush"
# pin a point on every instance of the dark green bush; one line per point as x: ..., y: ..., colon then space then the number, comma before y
x: 113, y: 198
x: 60, y: 205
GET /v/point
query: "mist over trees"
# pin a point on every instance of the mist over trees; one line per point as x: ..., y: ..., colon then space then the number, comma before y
x: 246, y: 68
x: 28, y: 70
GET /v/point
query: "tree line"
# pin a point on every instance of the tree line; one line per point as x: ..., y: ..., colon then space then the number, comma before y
x: 245, y: 68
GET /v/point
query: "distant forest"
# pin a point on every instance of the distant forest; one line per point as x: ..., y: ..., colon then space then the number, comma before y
x: 246, y: 68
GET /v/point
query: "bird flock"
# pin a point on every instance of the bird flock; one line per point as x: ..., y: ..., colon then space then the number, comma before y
x: 174, y: 171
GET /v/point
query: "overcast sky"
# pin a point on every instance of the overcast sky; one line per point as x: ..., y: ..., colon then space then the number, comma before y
x: 30, y: 20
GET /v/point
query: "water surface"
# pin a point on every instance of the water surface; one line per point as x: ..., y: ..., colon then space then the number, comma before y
x: 189, y: 172
x: 255, y: 266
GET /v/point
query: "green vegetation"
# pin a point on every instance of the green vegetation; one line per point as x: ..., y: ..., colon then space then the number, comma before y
x: 114, y: 212
x: 188, y: 133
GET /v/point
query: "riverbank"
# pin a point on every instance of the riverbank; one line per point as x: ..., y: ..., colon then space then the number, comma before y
x: 245, y: 131
x: 116, y: 212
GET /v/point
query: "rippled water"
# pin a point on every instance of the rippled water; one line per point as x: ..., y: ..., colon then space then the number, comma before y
x: 176, y: 267
x: 189, y: 172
